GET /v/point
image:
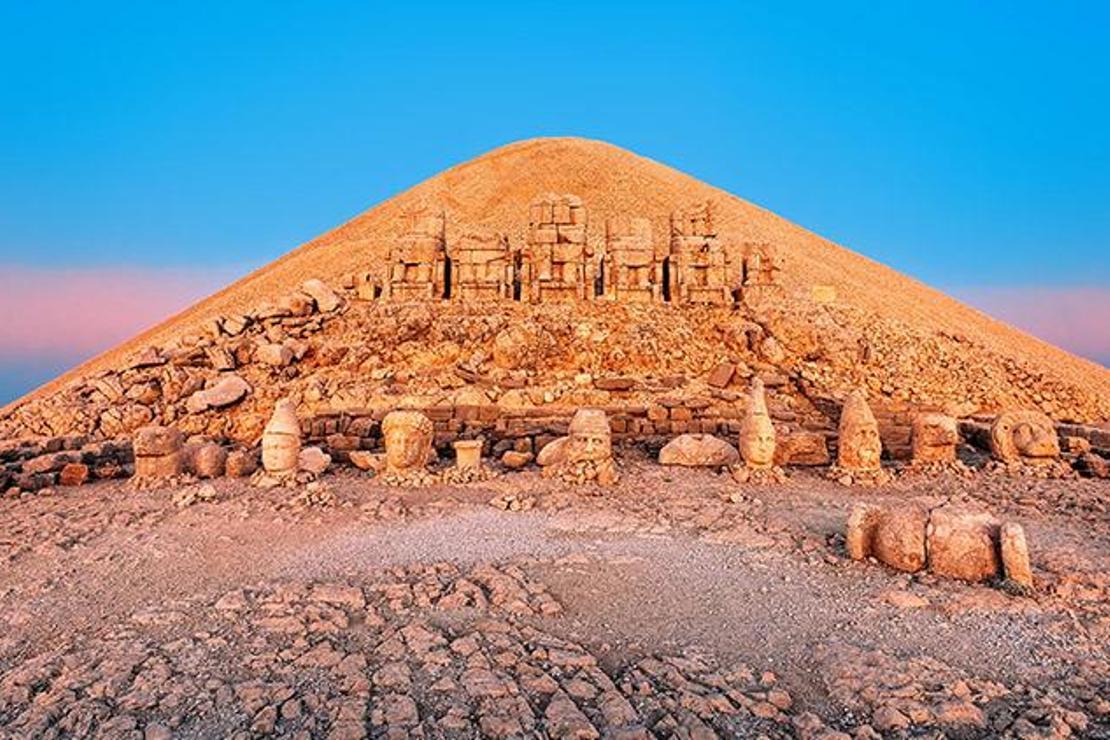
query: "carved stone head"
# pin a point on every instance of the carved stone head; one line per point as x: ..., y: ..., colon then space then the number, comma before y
x: 860, y: 447
x: 408, y: 440
x: 1018, y: 435
x: 281, y: 439
x: 934, y: 438
x: 589, y: 437
x: 757, y: 433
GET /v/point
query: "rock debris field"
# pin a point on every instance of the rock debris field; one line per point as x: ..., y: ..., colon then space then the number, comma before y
x: 671, y: 605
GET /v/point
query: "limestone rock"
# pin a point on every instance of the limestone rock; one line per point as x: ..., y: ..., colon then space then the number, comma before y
x: 325, y: 298
x: 699, y: 450
x: 899, y: 538
x: 515, y: 460
x: 73, y: 474
x: 933, y: 438
x: 153, y: 441
x: 313, y: 460
x: 962, y: 544
x: 206, y: 460
x: 241, y: 463
x: 802, y: 448
x: 229, y: 390
x: 276, y: 355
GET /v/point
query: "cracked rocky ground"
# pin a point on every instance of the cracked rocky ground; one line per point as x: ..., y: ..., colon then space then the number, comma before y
x: 678, y: 604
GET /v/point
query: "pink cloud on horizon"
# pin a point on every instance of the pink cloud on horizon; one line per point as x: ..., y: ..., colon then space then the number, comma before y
x: 75, y: 313
x: 1075, y: 318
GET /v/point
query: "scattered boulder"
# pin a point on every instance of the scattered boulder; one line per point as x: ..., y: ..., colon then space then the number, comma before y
x: 229, y: 390
x: 241, y: 463
x: 313, y: 460
x: 206, y: 460
x: 158, y: 453
x: 277, y: 355
x: 326, y: 299
x: 699, y: 450
x: 73, y: 474
x: 962, y: 544
x: 365, y: 460
x: 515, y: 460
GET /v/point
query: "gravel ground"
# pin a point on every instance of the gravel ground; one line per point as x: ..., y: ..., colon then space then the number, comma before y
x: 661, y: 567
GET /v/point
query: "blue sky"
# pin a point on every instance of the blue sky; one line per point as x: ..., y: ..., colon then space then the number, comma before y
x: 966, y: 144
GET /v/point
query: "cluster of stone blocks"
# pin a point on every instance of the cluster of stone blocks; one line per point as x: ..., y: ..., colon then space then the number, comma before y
x: 558, y: 263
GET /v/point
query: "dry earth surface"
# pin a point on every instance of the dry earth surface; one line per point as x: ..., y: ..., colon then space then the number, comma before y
x: 678, y: 604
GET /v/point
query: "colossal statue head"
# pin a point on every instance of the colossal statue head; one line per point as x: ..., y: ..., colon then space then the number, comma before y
x: 859, y: 445
x: 408, y: 440
x: 1018, y: 435
x: 281, y: 439
x: 934, y: 438
x: 757, y: 433
x: 589, y: 437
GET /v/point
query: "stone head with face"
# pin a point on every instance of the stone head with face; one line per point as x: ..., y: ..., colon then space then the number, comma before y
x: 757, y: 433
x: 589, y: 438
x: 859, y: 445
x: 408, y: 440
x: 934, y: 438
x: 1024, y: 435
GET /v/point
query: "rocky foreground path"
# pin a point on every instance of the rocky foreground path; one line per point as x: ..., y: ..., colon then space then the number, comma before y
x: 676, y: 605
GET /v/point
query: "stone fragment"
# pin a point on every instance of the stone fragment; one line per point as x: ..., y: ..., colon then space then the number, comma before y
x: 1015, y: 555
x: 933, y: 438
x: 241, y: 463
x: 229, y: 390
x: 153, y: 441
x: 276, y: 355
x: 515, y: 460
x: 698, y: 450
x: 962, y: 544
x: 158, y: 453
x: 73, y: 474
x: 365, y: 460
x: 721, y: 375
x: 313, y: 460
x: 899, y: 538
x: 206, y: 460
x: 326, y: 299
x: 802, y: 448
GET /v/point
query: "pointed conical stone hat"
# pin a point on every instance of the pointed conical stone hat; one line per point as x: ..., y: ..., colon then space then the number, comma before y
x: 856, y: 412
x: 284, y: 420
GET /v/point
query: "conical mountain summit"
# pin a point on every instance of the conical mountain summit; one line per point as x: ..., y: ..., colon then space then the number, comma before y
x: 552, y: 274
